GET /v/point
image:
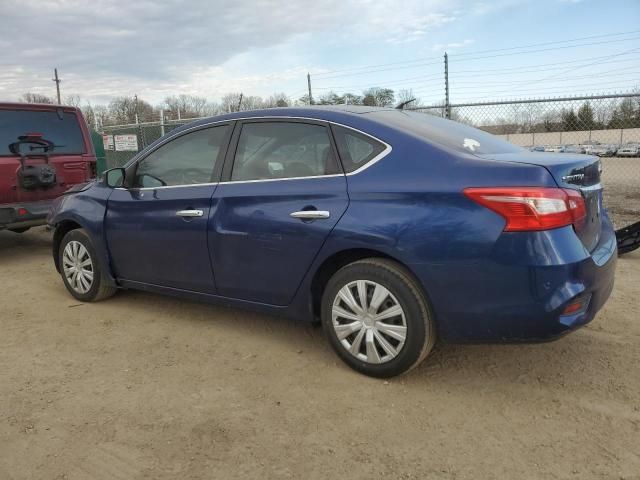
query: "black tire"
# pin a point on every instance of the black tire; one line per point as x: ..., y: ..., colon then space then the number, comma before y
x: 99, y: 289
x: 19, y: 230
x: 420, y: 326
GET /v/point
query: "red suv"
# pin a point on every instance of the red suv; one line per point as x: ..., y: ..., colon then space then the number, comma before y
x: 44, y: 150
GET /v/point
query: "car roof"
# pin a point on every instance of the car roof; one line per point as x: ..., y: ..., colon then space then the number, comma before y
x: 35, y: 106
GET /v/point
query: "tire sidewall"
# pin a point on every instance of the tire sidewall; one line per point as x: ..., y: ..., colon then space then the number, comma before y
x: 414, y: 309
x: 81, y: 236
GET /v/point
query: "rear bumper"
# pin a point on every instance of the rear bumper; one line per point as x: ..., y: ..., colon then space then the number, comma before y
x: 20, y: 215
x: 520, y: 293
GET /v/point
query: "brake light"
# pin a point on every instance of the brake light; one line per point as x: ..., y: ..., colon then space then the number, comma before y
x: 532, y: 208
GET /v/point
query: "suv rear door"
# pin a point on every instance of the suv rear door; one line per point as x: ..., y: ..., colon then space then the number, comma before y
x: 72, y: 156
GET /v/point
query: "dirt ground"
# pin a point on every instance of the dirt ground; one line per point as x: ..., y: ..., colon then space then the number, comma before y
x: 621, y: 180
x: 143, y: 386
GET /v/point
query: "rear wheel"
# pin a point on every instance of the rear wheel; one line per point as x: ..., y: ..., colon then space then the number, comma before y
x: 376, y: 318
x: 80, y: 269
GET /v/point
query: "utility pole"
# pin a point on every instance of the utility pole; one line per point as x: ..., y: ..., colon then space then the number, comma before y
x: 309, y: 86
x: 240, y: 102
x: 135, y: 107
x: 57, y: 80
x: 447, y: 108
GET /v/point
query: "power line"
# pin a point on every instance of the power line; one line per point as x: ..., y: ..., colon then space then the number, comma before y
x: 464, y: 85
x: 547, y: 49
x: 519, y: 70
x: 422, y: 59
x: 548, y: 43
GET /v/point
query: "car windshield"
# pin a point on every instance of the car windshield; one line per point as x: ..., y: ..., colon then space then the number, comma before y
x: 450, y: 134
x: 62, y: 130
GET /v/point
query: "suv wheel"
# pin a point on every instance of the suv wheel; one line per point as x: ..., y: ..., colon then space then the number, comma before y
x: 377, y: 319
x: 80, y: 269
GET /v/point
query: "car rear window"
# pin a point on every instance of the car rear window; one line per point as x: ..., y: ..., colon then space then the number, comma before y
x: 446, y: 133
x: 63, y: 130
x: 356, y: 149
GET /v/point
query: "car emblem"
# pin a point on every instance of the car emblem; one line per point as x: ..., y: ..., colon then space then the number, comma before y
x: 471, y: 144
x: 576, y: 178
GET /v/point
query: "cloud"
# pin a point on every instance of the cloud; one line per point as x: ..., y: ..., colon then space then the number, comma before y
x: 446, y: 47
x: 105, y: 48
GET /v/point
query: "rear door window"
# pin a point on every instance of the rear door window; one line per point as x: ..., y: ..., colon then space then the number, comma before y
x: 275, y: 150
x: 63, y: 130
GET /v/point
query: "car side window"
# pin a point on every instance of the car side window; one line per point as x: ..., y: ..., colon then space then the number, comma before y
x: 355, y: 148
x: 274, y: 150
x: 187, y: 160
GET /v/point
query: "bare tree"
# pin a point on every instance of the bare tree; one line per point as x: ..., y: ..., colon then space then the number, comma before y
x: 185, y: 106
x: 277, y: 100
x: 124, y: 109
x: 72, y: 100
x: 229, y: 102
x: 36, y: 98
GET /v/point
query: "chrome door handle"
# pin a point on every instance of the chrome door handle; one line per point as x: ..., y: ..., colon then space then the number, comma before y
x: 310, y: 214
x: 189, y: 213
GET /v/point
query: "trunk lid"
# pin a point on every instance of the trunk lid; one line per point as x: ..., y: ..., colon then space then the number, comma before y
x: 575, y: 171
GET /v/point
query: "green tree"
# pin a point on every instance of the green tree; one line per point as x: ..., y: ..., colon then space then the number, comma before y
x: 585, y: 117
x: 569, y: 120
x: 378, y: 97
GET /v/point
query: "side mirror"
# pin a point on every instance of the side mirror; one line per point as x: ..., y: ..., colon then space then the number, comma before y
x: 114, y: 178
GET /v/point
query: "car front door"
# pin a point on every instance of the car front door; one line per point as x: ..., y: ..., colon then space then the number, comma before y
x: 283, y: 193
x: 157, y: 228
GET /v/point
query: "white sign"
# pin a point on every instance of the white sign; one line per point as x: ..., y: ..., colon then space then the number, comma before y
x: 127, y: 142
x: 107, y: 140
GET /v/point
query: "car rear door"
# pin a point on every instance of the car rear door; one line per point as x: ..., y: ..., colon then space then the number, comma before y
x: 157, y: 229
x: 284, y: 192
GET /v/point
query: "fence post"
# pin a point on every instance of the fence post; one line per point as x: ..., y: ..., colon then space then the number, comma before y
x: 533, y: 138
x: 447, y: 107
x: 162, y: 122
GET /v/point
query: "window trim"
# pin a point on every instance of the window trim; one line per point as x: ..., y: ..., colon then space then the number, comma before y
x: 232, y: 145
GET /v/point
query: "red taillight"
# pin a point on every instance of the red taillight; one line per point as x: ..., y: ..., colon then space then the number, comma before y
x: 532, y: 208
x: 23, y: 211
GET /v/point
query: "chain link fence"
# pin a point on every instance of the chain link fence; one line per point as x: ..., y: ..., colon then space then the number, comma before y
x: 603, y: 125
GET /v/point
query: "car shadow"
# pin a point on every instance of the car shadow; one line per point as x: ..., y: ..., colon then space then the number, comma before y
x: 551, y: 363
x: 35, y: 239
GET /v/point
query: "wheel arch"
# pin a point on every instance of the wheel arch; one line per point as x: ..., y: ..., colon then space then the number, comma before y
x: 336, y: 261
x: 62, y: 228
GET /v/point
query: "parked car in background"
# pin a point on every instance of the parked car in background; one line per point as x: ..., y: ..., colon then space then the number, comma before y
x: 604, y: 150
x: 572, y: 149
x: 537, y: 148
x: 628, y: 151
x: 44, y: 150
x: 556, y: 149
x: 393, y: 228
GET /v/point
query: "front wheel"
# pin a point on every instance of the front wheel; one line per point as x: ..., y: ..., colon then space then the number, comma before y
x: 377, y: 318
x: 80, y: 269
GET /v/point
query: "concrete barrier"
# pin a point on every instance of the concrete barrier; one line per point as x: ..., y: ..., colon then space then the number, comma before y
x: 615, y: 136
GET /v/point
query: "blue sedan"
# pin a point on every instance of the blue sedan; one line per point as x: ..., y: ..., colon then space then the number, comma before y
x: 392, y: 228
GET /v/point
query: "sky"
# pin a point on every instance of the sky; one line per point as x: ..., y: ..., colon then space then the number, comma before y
x: 153, y: 48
